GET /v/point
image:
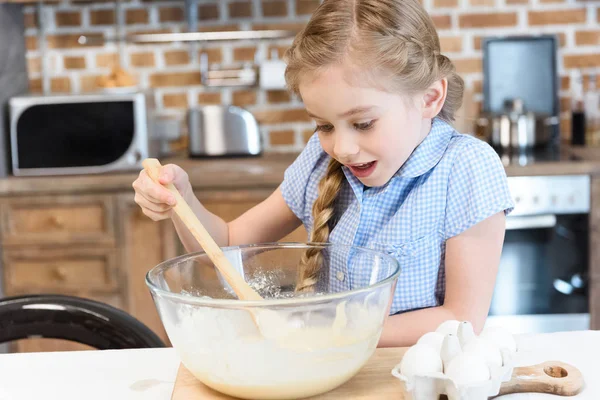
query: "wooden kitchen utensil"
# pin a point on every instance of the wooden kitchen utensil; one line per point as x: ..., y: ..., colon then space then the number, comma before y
x: 551, y: 377
x: 214, y: 252
x: 374, y: 381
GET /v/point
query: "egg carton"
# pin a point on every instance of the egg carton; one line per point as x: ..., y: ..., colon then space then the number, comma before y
x: 432, y: 386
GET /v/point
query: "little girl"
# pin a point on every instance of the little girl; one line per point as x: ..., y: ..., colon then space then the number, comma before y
x: 384, y: 169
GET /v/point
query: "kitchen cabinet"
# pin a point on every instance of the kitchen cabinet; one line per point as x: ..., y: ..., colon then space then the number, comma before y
x: 65, y: 244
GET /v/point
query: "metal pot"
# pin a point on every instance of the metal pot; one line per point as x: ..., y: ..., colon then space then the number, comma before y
x: 516, y: 128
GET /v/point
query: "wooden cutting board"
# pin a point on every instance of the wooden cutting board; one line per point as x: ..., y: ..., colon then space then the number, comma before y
x: 375, y: 374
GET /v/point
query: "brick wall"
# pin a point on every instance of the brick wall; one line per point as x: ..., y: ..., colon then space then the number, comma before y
x: 173, y: 70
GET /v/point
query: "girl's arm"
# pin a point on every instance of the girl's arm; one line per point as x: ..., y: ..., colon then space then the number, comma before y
x: 472, y: 260
x: 268, y: 221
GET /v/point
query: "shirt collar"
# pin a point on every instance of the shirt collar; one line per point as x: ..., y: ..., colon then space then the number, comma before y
x: 431, y: 150
x: 355, y: 183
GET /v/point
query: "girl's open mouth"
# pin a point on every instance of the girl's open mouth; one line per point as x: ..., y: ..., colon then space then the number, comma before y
x: 363, y: 170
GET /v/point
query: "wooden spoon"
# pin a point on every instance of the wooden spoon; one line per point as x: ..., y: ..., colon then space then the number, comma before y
x: 182, y: 209
x: 551, y: 377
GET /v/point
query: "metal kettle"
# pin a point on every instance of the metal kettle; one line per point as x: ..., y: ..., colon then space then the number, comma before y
x: 516, y: 128
x: 222, y: 130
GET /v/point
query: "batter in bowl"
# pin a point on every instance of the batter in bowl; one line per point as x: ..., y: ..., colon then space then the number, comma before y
x: 224, y: 349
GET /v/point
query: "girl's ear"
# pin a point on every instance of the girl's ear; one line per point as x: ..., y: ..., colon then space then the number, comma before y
x: 434, y: 98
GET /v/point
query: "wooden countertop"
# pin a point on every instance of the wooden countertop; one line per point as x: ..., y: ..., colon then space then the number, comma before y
x: 209, y: 174
x: 253, y: 173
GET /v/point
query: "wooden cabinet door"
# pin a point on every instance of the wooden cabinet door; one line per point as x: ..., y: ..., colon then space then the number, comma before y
x: 143, y: 244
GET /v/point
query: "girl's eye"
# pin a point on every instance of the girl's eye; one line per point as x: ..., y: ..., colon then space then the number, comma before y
x: 324, y: 128
x: 365, y: 126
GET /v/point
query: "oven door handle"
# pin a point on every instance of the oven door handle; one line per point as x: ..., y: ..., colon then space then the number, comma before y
x: 530, y: 221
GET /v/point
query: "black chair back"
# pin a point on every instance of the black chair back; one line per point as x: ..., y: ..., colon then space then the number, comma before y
x: 73, y: 318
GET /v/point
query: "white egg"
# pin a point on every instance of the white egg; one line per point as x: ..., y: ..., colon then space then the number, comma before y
x: 501, y: 337
x: 487, y: 349
x: 449, y: 327
x: 420, y: 359
x: 465, y: 333
x: 468, y: 368
x: 450, y: 349
x: 433, y: 339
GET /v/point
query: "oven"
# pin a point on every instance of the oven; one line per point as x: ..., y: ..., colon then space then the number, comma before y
x: 542, y: 281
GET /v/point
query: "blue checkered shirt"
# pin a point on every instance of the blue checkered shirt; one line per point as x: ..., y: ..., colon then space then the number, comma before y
x: 449, y: 183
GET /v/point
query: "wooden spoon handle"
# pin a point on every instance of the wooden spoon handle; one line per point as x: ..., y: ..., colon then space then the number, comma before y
x: 552, y: 377
x: 214, y: 252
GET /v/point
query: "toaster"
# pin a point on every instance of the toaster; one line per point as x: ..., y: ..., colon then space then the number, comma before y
x: 222, y: 130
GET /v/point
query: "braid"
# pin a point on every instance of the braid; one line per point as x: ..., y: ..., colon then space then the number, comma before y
x: 323, y: 210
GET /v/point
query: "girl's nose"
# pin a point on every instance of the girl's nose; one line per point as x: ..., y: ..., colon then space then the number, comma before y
x: 345, y: 147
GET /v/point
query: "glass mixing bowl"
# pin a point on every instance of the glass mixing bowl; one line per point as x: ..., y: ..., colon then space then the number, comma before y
x: 290, y: 345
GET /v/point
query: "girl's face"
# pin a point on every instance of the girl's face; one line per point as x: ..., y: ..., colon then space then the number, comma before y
x: 370, y: 131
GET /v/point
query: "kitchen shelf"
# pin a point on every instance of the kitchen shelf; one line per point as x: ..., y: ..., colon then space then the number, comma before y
x: 122, y: 38
x: 193, y: 37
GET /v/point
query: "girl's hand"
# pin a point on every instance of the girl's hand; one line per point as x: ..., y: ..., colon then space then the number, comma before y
x: 155, y: 200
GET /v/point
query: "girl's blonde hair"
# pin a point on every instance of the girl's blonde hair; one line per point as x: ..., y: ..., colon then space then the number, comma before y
x: 389, y: 42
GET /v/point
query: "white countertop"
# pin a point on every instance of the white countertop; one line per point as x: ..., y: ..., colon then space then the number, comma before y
x: 149, y: 374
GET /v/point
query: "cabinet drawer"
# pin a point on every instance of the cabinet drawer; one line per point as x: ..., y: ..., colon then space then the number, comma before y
x: 58, y: 219
x: 78, y: 269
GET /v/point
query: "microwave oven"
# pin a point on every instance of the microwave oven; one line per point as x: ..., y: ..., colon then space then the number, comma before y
x: 80, y: 133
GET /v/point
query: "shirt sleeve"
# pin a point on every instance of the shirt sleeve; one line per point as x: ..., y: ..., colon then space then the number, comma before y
x: 477, y: 188
x: 297, y: 177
